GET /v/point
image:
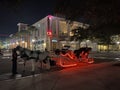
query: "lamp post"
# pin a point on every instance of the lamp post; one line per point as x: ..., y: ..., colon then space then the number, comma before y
x: 33, y: 42
x: 23, y: 43
x: 118, y: 43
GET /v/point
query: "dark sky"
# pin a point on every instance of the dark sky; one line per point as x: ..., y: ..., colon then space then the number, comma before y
x: 29, y: 12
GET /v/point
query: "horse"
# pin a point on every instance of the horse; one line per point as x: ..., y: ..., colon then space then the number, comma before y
x: 34, y: 56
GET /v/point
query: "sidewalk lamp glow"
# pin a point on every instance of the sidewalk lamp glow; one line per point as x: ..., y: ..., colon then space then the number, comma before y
x: 33, y: 40
x: 87, y: 40
x: 118, y: 42
x: 33, y: 44
x: 44, y: 44
x: 23, y: 41
x: 17, y: 43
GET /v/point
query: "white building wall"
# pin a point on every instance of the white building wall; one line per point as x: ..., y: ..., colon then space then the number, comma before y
x: 41, y: 25
x: 56, y: 40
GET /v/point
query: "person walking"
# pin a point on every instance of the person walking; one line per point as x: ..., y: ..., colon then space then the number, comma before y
x: 14, y: 62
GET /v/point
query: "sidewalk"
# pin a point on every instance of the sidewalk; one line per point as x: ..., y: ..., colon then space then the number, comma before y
x: 27, y: 73
x: 102, y: 76
x: 8, y: 76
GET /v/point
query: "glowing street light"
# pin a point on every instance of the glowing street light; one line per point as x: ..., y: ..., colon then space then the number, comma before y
x: 118, y: 42
x: 33, y: 44
x: 33, y: 40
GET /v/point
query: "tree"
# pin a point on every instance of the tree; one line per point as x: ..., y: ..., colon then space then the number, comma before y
x: 95, y: 12
x: 101, y: 36
x: 102, y: 15
x: 104, y: 34
x: 80, y: 34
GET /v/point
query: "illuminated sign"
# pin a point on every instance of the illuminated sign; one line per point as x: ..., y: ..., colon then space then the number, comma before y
x: 54, y: 40
x: 49, y: 33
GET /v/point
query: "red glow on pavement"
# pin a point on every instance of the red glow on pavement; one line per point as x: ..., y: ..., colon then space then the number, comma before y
x: 91, y: 61
x: 70, y: 65
x: 64, y: 61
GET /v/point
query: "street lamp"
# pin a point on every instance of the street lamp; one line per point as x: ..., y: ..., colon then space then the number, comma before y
x: 33, y: 41
x: 118, y: 43
x: 23, y: 42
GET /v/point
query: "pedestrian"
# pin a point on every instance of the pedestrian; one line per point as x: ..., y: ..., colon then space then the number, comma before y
x: 14, y: 62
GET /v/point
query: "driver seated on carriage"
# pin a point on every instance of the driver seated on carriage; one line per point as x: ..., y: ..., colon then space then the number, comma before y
x: 69, y: 54
x: 85, y: 56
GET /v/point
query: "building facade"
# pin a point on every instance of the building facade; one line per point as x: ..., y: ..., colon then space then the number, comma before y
x: 54, y: 32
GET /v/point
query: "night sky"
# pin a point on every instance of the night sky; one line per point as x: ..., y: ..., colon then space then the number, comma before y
x: 29, y: 12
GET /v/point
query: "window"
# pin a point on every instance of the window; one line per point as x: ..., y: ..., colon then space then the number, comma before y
x: 62, y: 28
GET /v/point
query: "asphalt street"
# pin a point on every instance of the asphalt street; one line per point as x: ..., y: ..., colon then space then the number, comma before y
x: 6, y: 64
x: 104, y: 74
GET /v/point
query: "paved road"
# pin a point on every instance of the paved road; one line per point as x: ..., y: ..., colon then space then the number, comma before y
x: 6, y: 63
x: 102, y: 76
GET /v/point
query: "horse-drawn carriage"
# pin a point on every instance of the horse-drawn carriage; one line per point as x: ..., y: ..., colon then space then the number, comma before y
x: 63, y: 58
x: 66, y: 57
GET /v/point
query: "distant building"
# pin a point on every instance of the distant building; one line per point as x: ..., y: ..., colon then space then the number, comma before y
x: 22, y: 26
x: 53, y: 33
